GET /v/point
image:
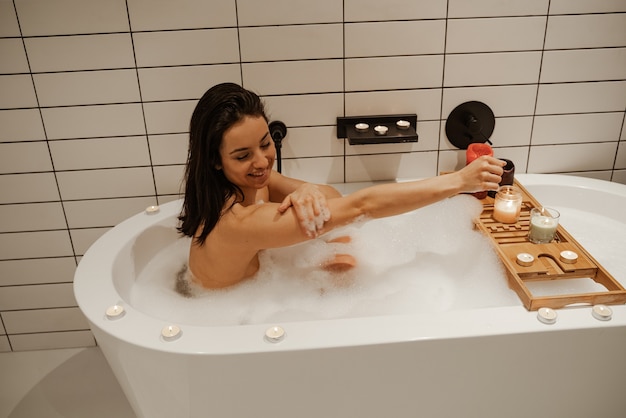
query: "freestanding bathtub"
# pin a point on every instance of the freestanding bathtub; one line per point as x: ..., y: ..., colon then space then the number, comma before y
x: 489, y: 362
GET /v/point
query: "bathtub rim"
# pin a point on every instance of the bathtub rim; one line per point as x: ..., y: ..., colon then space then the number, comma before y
x: 139, y: 329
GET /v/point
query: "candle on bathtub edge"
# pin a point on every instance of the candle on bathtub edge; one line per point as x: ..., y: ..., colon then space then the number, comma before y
x: 275, y: 334
x: 151, y: 210
x: 546, y: 315
x: 602, y: 312
x: 171, y: 332
x: 115, y: 312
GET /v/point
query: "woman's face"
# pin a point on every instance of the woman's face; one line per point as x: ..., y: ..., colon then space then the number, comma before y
x: 248, y: 153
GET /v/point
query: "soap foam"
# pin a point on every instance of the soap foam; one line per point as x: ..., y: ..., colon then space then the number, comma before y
x: 428, y: 260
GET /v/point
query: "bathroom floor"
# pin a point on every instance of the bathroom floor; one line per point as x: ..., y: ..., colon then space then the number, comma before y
x: 67, y: 383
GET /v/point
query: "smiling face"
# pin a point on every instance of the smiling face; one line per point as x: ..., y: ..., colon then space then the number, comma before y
x: 248, y: 153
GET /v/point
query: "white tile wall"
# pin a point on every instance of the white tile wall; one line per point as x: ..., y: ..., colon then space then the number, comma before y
x: 44, y: 18
x: 569, y: 32
x: 495, y: 34
x: 294, y: 77
x: 32, y: 217
x: 393, y: 73
x: 586, y: 6
x: 168, y: 117
x: 21, y: 125
x: 168, y: 149
x: 80, y: 52
x: 36, y: 271
x: 581, y: 97
x: 28, y: 187
x: 95, y: 99
x: 394, y: 38
x: 493, y: 68
x: 17, y: 91
x: 13, y: 48
x: 484, y: 8
x: 213, y: 46
x: 93, y: 121
x: 8, y: 20
x: 86, y: 87
x: 375, y: 10
x: 183, y: 83
x: 581, y: 65
x: 18, y: 157
x: 146, y: 15
x: 285, y: 12
x: 103, y: 212
x: 291, y: 42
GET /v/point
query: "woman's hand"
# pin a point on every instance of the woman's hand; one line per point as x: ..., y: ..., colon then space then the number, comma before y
x: 484, y: 173
x: 310, y: 206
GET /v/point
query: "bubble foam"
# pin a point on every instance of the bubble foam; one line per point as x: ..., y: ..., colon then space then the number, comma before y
x: 428, y: 260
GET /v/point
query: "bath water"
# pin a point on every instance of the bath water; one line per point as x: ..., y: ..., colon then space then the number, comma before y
x: 428, y: 260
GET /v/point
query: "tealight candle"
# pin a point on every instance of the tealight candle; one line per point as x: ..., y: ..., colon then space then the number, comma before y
x: 525, y: 259
x: 361, y: 127
x: 381, y: 130
x: 568, y: 257
x: 275, y: 334
x: 543, y: 225
x: 115, y: 312
x: 508, y: 205
x: 151, y: 210
x: 602, y: 312
x: 171, y: 332
x: 547, y: 315
x: 403, y: 124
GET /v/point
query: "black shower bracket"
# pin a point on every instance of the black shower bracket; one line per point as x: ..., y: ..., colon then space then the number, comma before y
x: 347, y: 128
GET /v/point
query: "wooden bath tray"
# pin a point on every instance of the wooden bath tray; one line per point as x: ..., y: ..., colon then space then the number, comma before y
x: 511, y: 239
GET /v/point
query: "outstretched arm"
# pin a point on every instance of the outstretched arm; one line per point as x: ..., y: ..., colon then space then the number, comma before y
x: 264, y: 227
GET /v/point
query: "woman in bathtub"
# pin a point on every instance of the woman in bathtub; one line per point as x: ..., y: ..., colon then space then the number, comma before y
x: 235, y: 205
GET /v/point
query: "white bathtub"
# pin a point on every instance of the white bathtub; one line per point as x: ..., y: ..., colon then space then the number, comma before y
x: 488, y: 362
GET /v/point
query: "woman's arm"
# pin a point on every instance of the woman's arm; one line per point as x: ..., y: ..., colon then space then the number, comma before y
x: 308, y: 200
x: 264, y: 227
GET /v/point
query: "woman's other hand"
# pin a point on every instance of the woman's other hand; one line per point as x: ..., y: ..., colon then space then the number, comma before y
x: 484, y: 173
x: 310, y: 206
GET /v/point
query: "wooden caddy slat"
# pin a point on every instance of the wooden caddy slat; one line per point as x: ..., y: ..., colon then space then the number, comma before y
x: 511, y: 239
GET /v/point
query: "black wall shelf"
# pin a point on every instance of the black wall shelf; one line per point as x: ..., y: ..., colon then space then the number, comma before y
x: 346, y: 129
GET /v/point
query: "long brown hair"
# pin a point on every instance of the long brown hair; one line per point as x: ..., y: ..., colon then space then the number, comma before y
x: 206, y: 188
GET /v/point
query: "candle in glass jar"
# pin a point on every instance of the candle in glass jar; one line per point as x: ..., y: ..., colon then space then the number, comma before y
x: 543, y: 225
x: 508, y: 205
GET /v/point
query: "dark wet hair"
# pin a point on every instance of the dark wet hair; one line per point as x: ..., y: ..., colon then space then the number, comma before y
x: 206, y: 188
